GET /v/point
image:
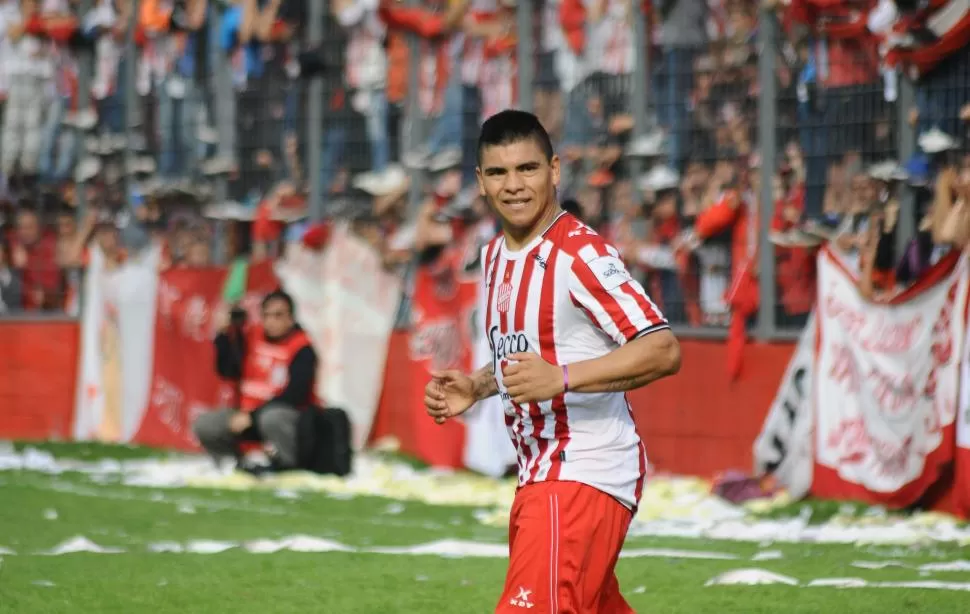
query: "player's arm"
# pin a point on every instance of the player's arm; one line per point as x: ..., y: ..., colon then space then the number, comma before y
x: 639, y: 362
x: 615, y: 302
x: 483, y: 383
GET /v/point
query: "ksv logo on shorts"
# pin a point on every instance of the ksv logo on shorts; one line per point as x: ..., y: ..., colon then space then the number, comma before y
x: 522, y: 599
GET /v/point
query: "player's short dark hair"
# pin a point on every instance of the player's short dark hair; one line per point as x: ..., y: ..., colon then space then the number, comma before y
x: 510, y: 126
x: 278, y: 295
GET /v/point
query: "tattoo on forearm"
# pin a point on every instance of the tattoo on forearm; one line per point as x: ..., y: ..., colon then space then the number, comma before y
x: 629, y: 383
x: 485, y: 385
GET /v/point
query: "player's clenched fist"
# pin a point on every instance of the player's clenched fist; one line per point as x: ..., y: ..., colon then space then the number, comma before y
x: 531, y: 379
x: 448, y: 394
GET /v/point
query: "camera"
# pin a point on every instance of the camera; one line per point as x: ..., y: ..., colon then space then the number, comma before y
x: 237, y: 317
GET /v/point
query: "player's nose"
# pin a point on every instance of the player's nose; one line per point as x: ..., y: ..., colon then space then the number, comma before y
x: 514, y: 183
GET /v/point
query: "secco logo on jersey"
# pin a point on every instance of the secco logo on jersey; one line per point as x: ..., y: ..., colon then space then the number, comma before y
x: 504, y: 345
x: 610, y: 271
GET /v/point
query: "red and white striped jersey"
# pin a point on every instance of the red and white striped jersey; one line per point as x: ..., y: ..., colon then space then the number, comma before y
x: 568, y: 297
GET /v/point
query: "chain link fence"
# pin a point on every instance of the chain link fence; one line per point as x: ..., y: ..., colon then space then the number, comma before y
x: 716, y: 143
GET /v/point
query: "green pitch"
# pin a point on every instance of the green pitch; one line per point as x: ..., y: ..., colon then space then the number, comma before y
x: 39, y: 511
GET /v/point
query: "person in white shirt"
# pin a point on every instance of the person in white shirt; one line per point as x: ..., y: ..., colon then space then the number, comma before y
x: 29, y: 71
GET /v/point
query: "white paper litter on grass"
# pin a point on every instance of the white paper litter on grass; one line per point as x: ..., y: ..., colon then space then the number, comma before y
x: 4, y: 550
x: 837, y: 583
x: 450, y: 548
x: 44, y: 583
x: 668, y: 553
x: 160, y: 547
x: 928, y: 584
x: 208, y: 546
x: 959, y: 565
x: 877, y: 564
x: 768, y: 555
x: 80, y: 543
x: 670, y: 506
x: 308, y: 543
x: 750, y: 577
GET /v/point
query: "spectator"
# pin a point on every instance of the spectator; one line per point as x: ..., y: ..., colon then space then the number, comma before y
x: 367, y: 77
x: 275, y: 365
x: 29, y: 70
x: 11, y: 290
x: 683, y: 33
x: 33, y: 253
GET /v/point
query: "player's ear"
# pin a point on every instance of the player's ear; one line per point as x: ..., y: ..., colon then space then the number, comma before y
x: 481, y: 180
x: 554, y: 164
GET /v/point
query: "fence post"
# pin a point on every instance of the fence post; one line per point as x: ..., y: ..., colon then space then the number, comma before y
x: 768, y: 148
x: 130, y: 98
x: 413, y: 126
x: 906, y: 100
x: 639, y: 93
x: 525, y: 52
x: 84, y: 73
x: 315, y: 104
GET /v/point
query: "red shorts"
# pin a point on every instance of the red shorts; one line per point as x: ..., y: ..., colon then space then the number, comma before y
x: 564, y: 539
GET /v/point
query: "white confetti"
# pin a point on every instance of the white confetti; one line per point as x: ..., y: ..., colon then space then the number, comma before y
x: 751, y: 577
x: 768, y: 555
x: 79, y: 544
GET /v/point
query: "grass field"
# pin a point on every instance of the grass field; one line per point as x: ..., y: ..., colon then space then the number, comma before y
x: 39, y: 511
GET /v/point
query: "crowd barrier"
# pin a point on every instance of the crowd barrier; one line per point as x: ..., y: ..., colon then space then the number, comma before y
x: 872, y: 404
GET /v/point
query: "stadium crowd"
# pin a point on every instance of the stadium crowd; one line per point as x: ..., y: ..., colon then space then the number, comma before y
x: 221, y: 93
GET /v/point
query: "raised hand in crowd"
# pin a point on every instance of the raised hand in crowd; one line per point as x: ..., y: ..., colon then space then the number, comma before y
x: 18, y: 256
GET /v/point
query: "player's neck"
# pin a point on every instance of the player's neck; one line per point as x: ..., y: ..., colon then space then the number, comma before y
x: 517, y: 238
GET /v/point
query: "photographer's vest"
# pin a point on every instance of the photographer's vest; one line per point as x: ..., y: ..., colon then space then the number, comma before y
x: 266, y: 367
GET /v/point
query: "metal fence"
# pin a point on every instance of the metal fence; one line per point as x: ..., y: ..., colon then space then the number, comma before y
x: 201, y: 116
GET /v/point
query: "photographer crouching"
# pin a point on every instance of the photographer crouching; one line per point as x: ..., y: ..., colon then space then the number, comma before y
x: 276, y: 365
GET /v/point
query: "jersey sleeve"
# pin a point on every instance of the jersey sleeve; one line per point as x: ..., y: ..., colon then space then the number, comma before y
x: 600, y: 285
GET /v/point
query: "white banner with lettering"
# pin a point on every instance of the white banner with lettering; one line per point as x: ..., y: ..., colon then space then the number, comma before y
x: 887, y: 377
x: 346, y: 301
x: 117, y: 344
x: 784, y: 447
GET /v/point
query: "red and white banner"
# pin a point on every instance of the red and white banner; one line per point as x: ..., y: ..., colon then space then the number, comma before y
x: 886, y: 383
x: 117, y: 337
x: 184, y: 380
x: 147, y: 359
x: 442, y: 333
x: 784, y: 447
x: 346, y: 301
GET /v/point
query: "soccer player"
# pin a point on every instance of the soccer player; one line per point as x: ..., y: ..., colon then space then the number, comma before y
x: 570, y: 331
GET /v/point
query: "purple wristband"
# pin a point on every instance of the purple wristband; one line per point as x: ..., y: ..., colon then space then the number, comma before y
x: 565, y: 378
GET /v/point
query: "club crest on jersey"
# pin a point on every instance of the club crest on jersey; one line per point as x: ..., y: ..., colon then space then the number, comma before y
x: 503, y: 297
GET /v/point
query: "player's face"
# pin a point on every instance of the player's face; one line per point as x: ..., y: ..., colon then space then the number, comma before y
x: 519, y: 183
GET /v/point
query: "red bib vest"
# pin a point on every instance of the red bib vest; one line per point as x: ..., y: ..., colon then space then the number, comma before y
x: 266, y: 367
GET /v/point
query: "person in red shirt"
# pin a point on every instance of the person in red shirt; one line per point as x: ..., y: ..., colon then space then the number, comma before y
x: 275, y: 365
x: 33, y: 252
